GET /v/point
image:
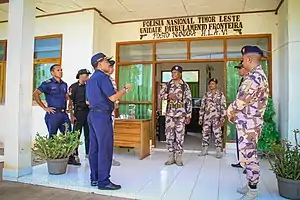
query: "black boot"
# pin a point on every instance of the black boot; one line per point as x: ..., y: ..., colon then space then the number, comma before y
x: 72, y: 161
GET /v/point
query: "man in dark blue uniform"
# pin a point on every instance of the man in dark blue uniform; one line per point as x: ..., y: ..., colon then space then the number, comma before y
x: 56, y: 93
x: 101, y: 96
x: 78, y: 104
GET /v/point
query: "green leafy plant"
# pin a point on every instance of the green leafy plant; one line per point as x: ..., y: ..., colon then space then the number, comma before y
x: 269, y: 134
x: 58, y: 147
x: 284, y: 158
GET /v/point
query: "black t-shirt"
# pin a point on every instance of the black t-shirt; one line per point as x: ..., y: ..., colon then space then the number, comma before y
x: 77, y: 95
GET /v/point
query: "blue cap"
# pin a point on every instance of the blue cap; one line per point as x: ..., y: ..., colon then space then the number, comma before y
x: 252, y: 49
x: 98, y: 58
x: 177, y: 68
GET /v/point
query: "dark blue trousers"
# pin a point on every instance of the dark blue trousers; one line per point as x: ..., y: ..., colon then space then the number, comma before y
x: 237, y: 145
x: 57, y: 121
x: 101, y: 146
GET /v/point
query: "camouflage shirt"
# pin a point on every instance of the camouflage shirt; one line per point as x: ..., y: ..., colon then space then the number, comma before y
x: 116, y: 89
x: 182, y: 106
x: 213, y: 105
x: 251, y: 100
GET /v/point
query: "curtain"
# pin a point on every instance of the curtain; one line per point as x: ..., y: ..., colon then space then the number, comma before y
x: 140, y: 76
x: 194, y: 87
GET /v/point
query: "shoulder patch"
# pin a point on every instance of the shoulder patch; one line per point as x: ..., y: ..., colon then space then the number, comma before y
x: 48, y: 81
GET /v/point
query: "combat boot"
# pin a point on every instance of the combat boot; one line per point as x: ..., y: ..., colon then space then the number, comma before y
x: 179, y: 159
x: 219, y: 153
x: 171, y: 159
x: 204, y: 151
x: 252, y: 194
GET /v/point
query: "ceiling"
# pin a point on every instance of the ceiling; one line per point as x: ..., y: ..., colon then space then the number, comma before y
x: 128, y: 10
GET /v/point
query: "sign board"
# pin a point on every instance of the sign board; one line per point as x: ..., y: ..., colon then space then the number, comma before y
x: 191, y: 27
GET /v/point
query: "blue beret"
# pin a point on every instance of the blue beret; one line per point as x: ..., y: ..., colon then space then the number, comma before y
x: 177, y: 68
x: 111, y: 62
x: 98, y: 58
x: 252, y: 49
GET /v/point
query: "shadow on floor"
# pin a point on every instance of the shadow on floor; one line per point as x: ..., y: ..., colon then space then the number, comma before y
x: 17, y: 191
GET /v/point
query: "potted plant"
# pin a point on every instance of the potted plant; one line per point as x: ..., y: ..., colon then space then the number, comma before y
x: 56, y: 150
x: 284, y: 159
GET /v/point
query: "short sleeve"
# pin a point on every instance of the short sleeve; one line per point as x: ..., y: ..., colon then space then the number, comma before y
x: 43, y: 87
x: 106, y: 86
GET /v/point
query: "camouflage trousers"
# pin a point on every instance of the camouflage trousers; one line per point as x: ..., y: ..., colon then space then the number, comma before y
x: 209, y: 126
x: 248, y: 134
x: 175, y: 130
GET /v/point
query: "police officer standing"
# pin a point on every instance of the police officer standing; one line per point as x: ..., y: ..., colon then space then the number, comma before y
x: 247, y: 113
x: 101, y: 96
x: 178, y: 114
x: 56, y: 93
x: 81, y: 109
x: 212, y: 115
x: 111, y: 71
x: 241, y: 72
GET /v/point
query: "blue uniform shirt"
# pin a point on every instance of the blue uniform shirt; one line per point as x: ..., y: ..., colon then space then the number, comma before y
x: 55, y: 93
x: 98, y: 90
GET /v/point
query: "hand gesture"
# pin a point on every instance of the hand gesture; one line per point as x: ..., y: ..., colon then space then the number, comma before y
x: 129, y: 86
x: 50, y: 110
x: 187, y: 120
x: 73, y: 119
x: 172, y: 96
x: 230, y: 118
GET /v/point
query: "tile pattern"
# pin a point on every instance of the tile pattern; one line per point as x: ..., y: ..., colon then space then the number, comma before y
x: 148, y: 179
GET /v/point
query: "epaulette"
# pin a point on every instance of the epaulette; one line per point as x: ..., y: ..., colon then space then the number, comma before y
x: 48, y: 81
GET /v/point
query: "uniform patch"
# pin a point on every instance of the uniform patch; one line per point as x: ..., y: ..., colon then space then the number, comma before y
x: 48, y: 81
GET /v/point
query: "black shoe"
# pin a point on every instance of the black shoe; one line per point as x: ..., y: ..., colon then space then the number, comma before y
x: 110, y: 186
x: 72, y: 161
x: 238, y: 165
x: 94, y: 183
x: 244, y: 172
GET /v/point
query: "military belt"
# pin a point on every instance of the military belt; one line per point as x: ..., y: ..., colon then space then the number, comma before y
x: 101, y: 110
x: 177, y: 105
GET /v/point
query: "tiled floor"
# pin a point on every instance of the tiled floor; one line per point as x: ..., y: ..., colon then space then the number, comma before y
x: 202, y: 178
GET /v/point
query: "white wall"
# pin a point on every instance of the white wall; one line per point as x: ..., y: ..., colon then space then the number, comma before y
x: 77, y: 48
x: 281, y: 54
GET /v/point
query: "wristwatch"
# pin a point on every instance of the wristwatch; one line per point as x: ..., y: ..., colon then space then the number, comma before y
x: 126, y: 89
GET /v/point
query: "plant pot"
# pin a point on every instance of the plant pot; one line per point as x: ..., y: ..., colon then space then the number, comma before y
x: 288, y: 188
x: 57, y: 166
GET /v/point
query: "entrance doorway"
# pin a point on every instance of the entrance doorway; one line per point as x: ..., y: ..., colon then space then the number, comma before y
x: 138, y: 62
x: 196, y: 75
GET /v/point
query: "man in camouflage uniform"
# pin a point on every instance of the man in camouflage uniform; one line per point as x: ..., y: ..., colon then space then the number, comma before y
x: 178, y: 114
x: 111, y: 64
x: 212, y: 115
x: 247, y: 113
x: 241, y: 72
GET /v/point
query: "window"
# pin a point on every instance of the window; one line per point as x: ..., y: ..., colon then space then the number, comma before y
x: 2, y: 70
x: 47, y: 51
x: 187, y: 76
